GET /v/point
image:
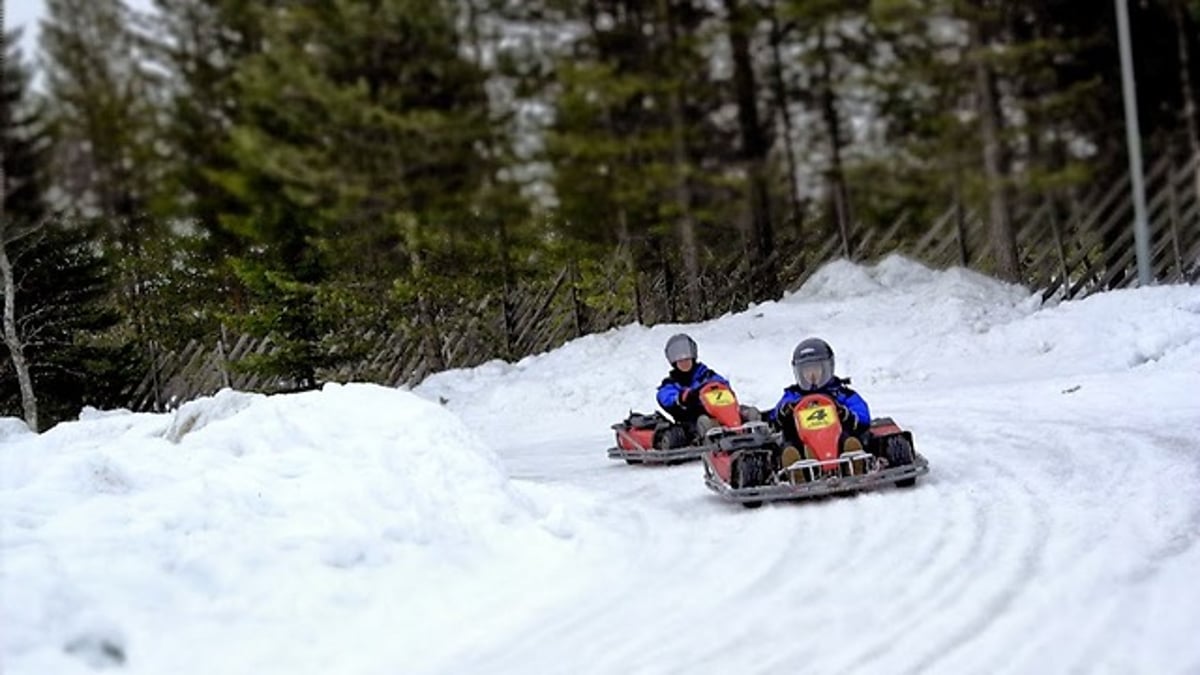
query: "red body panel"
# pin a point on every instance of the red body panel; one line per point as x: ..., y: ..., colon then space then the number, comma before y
x: 635, y: 439
x: 721, y: 404
x: 819, y: 428
x: 722, y: 465
x: 888, y: 429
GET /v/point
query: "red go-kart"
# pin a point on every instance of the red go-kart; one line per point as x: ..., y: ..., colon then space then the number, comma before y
x: 828, y: 462
x: 654, y: 439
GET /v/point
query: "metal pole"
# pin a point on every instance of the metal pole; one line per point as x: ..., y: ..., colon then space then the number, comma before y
x: 1141, y: 231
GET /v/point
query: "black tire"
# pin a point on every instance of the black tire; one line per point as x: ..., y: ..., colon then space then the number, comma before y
x: 633, y: 461
x: 899, y: 452
x: 751, y: 470
x: 673, y: 436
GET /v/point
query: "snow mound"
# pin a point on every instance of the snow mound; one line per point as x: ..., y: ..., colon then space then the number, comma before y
x: 395, y: 450
x: 877, y: 317
x: 195, y: 415
x: 1137, y: 327
x: 117, y: 516
x: 841, y: 280
x: 896, y: 271
x: 13, y: 428
x: 245, y: 457
x: 838, y: 279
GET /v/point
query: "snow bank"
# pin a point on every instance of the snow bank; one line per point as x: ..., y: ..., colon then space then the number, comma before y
x: 891, y: 324
x: 119, y: 522
x: 877, y: 317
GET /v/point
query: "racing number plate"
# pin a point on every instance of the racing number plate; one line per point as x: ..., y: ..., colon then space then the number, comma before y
x: 719, y: 397
x: 817, y: 417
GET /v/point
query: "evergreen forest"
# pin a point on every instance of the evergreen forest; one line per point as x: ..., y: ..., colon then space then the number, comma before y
x: 323, y: 172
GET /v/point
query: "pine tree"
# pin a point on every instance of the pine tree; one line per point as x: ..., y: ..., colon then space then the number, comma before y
x: 357, y: 147
x: 948, y: 104
x: 831, y: 82
x: 640, y: 158
x: 105, y: 101
x: 57, y: 289
x: 200, y: 44
x: 754, y: 147
x: 65, y: 320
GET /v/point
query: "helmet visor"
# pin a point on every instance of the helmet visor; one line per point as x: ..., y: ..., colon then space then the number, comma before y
x: 813, y: 374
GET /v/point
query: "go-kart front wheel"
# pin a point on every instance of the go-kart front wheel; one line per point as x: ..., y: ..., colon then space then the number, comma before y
x: 899, y: 452
x: 752, y: 469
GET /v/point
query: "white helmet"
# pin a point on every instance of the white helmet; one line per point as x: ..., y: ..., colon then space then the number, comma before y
x: 680, y: 347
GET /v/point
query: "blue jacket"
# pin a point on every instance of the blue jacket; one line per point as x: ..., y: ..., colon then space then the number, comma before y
x: 674, y: 384
x: 838, y: 390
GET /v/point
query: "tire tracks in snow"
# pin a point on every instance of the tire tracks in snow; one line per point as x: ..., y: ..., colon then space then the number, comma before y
x: 980, y: 567
x: 1017, y: 542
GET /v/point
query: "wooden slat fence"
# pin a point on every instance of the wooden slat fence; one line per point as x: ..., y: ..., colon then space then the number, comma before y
x: 1067, y: 249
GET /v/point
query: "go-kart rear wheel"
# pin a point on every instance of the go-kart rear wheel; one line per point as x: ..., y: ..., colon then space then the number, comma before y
x: 633, y: 461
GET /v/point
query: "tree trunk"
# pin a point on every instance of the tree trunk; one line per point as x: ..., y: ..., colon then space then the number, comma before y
x: 785, y: 117
x: 508, y: 288
x: 12, y: 340
x: 1179, y: 14
x: 1004, y: 244
x: 428, y: 332
x: 960, y: 222
x: 754, y: 153
x: 838, y: 192
x: 625, y: 250
x: 685, y: 224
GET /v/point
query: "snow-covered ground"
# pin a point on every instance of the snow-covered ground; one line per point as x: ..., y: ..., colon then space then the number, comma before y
x: 474, y: 525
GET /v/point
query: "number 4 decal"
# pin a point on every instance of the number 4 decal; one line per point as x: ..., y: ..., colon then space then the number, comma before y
x: 818, y: 417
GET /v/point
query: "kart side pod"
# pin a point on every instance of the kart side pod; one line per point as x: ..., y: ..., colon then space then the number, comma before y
x: 637, y: 432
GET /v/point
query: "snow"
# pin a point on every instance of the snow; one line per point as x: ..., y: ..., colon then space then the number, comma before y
x: 474, y: 524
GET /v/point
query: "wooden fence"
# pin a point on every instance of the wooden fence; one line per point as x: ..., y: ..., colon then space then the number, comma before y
x: 1067, y: 250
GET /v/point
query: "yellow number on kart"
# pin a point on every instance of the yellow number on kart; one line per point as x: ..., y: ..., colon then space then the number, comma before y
x: 719, y: 397
x: 818, y: 417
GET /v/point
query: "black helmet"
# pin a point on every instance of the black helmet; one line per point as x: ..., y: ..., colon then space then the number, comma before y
x: 680, y: 347
x: 812, y: 362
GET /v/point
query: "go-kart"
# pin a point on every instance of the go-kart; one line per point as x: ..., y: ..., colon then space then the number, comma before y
x: 829, y: 463
x: 654, y: 439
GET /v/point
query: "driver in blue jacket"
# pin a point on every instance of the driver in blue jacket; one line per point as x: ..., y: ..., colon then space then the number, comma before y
x: 812, y: 363
x: 679, y: 393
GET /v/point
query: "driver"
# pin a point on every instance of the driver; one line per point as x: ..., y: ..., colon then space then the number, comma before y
x: 812, y: 364
x: 679, y: 393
